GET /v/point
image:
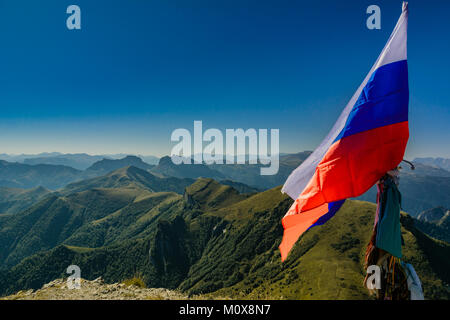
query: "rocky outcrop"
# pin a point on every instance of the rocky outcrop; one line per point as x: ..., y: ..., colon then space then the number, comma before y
x: 95, y: 290
x: 433, y: 215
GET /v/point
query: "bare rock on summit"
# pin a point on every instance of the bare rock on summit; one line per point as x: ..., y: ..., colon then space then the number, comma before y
x: 95, y: 290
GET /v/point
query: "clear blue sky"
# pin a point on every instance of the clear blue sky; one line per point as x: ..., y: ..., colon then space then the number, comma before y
x: 140, y: 69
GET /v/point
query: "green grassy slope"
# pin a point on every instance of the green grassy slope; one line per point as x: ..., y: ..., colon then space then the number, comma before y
x: 439, y: 231
x: 107, y: 165
x: 49, y: 222
x: 215, y: 241
x: 135, y: 220
x: 13, y: 200
x: 18, y: 175
x: 58, y: 217
x: 327, y: 263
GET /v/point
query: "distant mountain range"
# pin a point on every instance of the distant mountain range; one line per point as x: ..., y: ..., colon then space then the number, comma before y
x: 435, y: 222
x: 18, y: 175
x: 80, y: 161
x: 14, y: 200
x: 91, y: 166
x: 210, y: 239
x: 166, y: 167
x: 52, y: 220
x: 179, y: 228
x: 435, y: 162
x: 108, y: 165
x: 130, y: 177
x: 250, y: 174
x: 242, y: 173
x: 422, y: 189
x: 438, y: 215
x: 77, y: 161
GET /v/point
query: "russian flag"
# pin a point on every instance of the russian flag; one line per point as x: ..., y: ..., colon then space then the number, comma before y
x: 368, y: 139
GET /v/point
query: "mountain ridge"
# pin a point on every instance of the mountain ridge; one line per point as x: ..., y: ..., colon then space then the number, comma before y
x: 200, y: 245
x: 130, y: 176
x: 108, y: 165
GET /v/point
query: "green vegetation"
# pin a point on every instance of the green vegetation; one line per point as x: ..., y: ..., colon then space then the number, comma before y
x: 13, y: 200
x: 437, y: 231
x: 212, y: 240
x: 92, y: 213
x: 18, y: 175
x: 135, y: 281
x: 132, y: 178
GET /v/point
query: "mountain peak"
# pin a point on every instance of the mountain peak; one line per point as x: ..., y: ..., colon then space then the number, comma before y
x: 207, y: 193
x: 167, y: 168
x: 433, y: 215
x: 107, y: 165
x: 130, y: 176
x: 166, y: 160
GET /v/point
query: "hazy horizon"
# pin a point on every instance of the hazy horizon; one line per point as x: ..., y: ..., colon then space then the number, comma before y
x: 121, y: 154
